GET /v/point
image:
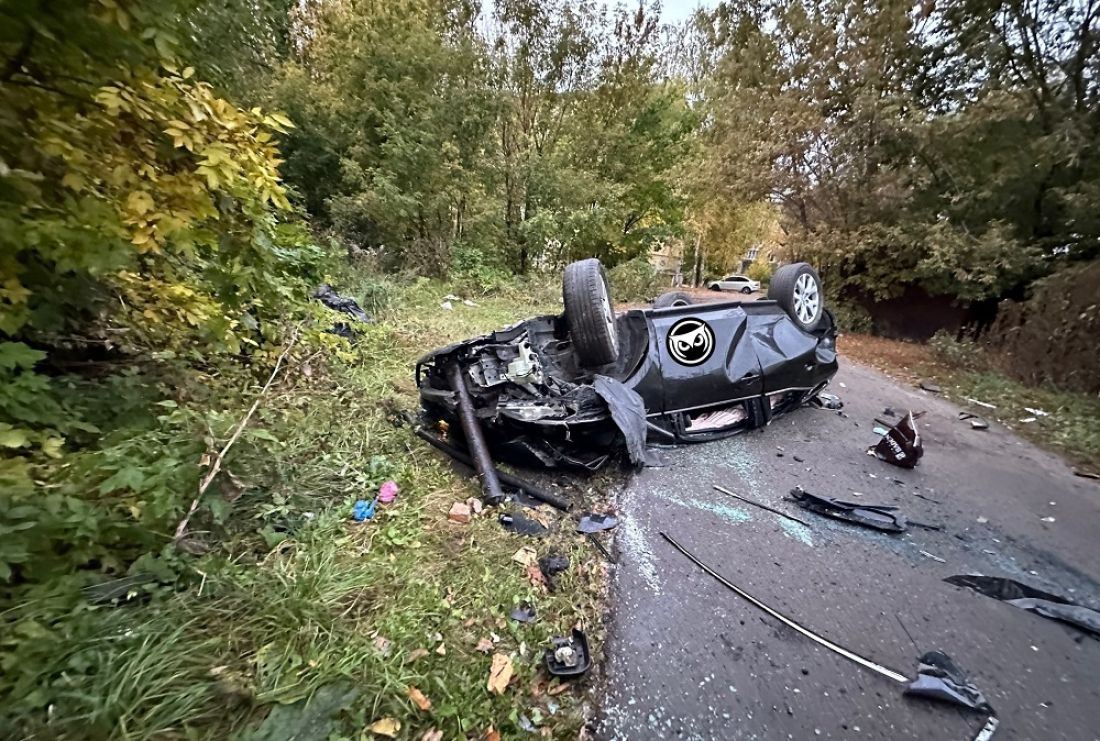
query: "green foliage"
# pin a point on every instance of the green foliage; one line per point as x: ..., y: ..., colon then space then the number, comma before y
x: 760, y: 270
x: 636, y: 280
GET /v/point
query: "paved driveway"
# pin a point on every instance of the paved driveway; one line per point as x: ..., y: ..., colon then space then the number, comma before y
x: 688, y: 659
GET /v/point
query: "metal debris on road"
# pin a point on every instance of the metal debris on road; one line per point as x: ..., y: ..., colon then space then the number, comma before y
x: 825, y: 400
x: 981, y: 403
x: 851, y: 656
x: 940, y: 678
x: 761, y: 506
x: 975, y: 421
x: 475, y: 437
x: 901, y: 445
x: 595, y: 522
x: 568, y: 657
x: 880, y: 517
x: 929, y: 386
x: 926, y: 554
x: 1031, y: 599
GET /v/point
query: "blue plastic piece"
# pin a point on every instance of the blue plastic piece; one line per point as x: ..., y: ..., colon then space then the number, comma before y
x: 363, y: 510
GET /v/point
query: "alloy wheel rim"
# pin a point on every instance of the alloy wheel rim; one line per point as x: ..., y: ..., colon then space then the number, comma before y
x: 807, y: 298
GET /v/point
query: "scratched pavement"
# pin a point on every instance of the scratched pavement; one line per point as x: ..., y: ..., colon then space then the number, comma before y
x: 689, y: 659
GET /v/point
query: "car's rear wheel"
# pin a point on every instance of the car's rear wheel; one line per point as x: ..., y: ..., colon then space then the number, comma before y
x: 672, y: 298
x: 797, y: 288
x: 746, y: 289
x: 589, y: 312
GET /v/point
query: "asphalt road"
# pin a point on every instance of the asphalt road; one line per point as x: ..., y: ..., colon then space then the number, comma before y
x: 688, y: 659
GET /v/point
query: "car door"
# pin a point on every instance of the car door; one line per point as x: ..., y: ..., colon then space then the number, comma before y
x: 704, y: 357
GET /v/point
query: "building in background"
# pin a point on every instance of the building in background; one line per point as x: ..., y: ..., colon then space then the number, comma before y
x: 667, y: 258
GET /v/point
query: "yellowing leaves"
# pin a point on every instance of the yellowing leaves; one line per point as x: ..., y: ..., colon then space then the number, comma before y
x: 500, y: 673
x: 139, y: 203
x: 386, y: 727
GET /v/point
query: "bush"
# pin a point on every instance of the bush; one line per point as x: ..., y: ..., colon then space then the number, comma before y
x: 851, y: 317
x: 635, y: 280
x: 761, y: 270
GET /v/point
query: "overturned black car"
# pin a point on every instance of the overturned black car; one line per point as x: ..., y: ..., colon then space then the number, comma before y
x: 570, y: 390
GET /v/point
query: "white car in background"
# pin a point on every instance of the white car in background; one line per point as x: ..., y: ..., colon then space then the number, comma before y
x: 735, y: 283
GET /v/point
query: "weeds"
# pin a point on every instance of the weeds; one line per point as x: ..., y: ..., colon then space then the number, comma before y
x: 291, y: 595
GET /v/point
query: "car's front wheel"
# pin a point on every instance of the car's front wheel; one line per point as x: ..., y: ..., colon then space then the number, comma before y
x: 797, y: 288
x: 589, y: 312
x: 746, y: 289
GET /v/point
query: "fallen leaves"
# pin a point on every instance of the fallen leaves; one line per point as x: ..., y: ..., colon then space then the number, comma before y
x: 492, y: 734
x: 557, y: 689
x: 432, y: 735
x: 484, y: 646
x: 385, y: 727
x: 526, y: 556
x: 416, y: 654
x: 534, y: 575
x: 419, y: 699
x: 500, y: 674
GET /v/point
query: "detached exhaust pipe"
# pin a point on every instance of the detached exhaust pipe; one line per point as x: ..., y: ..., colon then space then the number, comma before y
x: 475, y: 439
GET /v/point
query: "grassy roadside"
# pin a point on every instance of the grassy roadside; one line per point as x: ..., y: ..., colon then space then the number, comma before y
x: 963, y: 370
x: 297, y: 614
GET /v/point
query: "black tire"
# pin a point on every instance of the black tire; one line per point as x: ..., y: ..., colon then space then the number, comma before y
x: 797, y: 288
x: 590, y: 312
x: 746, y: 289
x: 672, y: 298
x: 715, y: 287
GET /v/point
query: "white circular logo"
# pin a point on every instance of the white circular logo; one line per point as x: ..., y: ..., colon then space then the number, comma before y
x: 690, y: 341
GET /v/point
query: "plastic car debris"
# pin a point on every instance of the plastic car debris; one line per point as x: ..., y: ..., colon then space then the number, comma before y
x: 519, y: 523
x: 1031, y: 599
x: 505, y: 477
x: 825, y: 400
x: 929, y: 386
x: 975, y: 421
x: 363, y: 510
x: 568, y: 657
x: 551, y: 565
x: 987, y: 405
x: 939, y: 678
x: 901, y: 445
x: 523, y: 612
x: 835, y: 648
x: 762, y: 506
x: 880, y: 517
x: 594, y: 523
x: 600, y: 547
x: 327, y: 296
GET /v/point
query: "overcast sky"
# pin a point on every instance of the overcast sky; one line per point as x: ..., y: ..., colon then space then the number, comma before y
x: 677, y: 10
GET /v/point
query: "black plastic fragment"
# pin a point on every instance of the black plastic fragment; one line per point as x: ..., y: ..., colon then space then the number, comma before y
x: 551, y: 565
x: 568, y: 657
x: 524, y: 612
x: 901, y: 445
x: 594, y: 523
x: 517, y: 522
x: 880, y: 517
x: 327, y: 296
x: 1042, y: 603
x: 628, y: 413
x: 939, y: 678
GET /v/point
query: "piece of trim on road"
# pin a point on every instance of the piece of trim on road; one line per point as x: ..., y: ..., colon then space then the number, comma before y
x: 865, y: 663
x: 761, y: 506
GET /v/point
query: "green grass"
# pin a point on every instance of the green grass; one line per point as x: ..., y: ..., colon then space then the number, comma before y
x: 1071, y: 427
x: 293, y: 596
